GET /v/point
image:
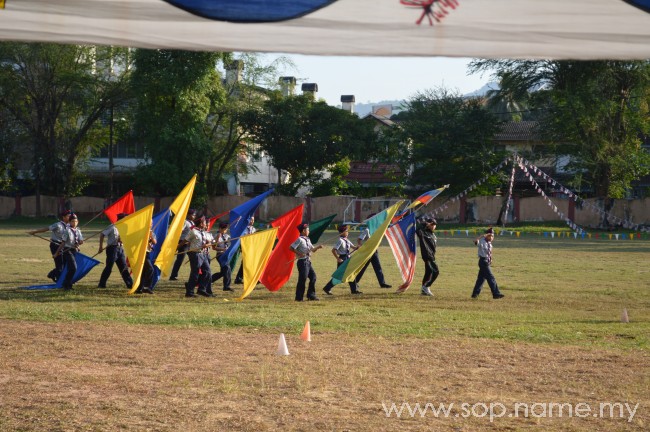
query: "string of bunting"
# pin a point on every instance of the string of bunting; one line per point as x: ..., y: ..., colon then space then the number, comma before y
x: 549, y: 234
x: 580, y: 201
x: 512, y: 182
x: 553, y: 207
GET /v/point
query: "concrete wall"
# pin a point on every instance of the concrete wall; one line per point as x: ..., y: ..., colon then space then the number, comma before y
x: 484, y: 210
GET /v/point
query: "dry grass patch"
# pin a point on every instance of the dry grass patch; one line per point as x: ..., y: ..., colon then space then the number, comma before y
x: 93, y: 376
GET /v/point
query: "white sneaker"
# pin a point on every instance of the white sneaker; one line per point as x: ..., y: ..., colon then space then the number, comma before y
x: 425, y: 291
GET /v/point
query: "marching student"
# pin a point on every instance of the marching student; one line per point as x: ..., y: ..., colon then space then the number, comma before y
x: 69, y: 246
x: 57, y: 229
x: 147, y: 269
x: 484, y: 244
x: 183, y: 244
x: 341, y: 251
x: 222, y: 244
x: 199, y: 263
x: 303, y: 249
x: 428, y: 243
x: 250, y: 229
x: 114, y: 255
x: 374, y: 260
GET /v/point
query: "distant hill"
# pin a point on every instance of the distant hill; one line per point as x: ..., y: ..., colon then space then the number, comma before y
x: 363, y: 109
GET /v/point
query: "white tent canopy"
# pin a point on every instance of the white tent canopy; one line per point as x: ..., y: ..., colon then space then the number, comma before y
x: 576, y: 29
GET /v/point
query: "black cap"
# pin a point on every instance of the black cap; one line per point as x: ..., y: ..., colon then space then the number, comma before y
x: 302, y: 226
x: 342, y: 228
x: 430, y: 220
x: 73, y: 216
x: 191, y: 212
x: 223, y: 225
x: 66, y: 213
x: 489, y: 231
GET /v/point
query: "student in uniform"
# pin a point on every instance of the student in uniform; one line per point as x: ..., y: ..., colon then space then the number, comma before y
x: 484, y: 244
x: 183, y: 244
x: 147, y: 270
x: 250, y: 229
x: 374, y: 260
x: 428, y: 243
x: 303, y: 249
x: 114, y: 255
x: 341, y: 251
x: 69, y: 246
x: 222, y: 244
x: 57, y: 229
x: 199, y: 265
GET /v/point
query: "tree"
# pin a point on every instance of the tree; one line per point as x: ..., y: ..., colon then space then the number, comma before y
x: 56, y: 94
x: 595, y: 111
x: 451, y: 139
x: 176, y: 91
x: 304, y: 137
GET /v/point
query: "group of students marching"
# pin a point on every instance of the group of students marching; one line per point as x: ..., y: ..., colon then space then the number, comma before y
x: 197, y: 242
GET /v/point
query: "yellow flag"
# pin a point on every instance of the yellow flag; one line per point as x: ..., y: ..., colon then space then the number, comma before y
x: 134, y: 232
x: 348, y: 271
x: 2, y: 4
x: 179, y: 207
x: 256, y: 251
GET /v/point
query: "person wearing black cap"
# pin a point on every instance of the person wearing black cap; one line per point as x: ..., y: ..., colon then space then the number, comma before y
x: 183, y: 244
x: 341, y: 251
x: 222, y: 244
x: 114, y: 255
x: 200, y: 272
x: 57, y: 229
x: 303, y: 249
x: 428, y: 243
x: 374, y: 259
x: 69, y: 246
x: 484, y: 244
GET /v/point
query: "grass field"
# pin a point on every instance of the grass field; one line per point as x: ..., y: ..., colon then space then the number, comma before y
x: 97, y: 359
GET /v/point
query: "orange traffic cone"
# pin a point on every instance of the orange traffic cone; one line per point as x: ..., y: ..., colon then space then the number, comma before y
x: 306, y: 333
x: 624, y: 317
x: 282, y: 346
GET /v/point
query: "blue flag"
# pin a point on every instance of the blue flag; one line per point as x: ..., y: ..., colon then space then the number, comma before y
x: 159, y: 226
x: 239, y: 217
x: 84, y: 265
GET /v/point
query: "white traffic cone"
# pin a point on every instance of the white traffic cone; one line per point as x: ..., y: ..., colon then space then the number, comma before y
x: 624, y: 317
x: 282, y: 346
x: 306, y: 333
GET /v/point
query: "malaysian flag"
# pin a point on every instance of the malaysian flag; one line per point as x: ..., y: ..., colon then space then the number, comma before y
x: 401, y: 238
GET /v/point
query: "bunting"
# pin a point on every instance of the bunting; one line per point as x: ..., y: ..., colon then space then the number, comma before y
x: 280, y: 265
x: 256, y: 250
x: 134, y: 233
x: 348, y: 271
x: 179, y: 207
x: 124, y: 204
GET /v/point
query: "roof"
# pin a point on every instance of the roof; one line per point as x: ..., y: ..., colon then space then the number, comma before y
x: 372, y: 173
x: 518, y: 131
x: 381, y: 119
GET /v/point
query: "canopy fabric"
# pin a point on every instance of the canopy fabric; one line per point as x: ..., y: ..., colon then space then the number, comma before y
x: 578, y: 29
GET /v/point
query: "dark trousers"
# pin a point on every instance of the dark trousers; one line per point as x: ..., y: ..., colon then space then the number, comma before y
x: 305, y: 271
x: 147, y: 273
x: 58, y: 262
x: 330, y: 284
x: 224, y: 272
x: 115, y: 255
x: 71, y: 265
x: 205, y: 280
x: 181, y: 250
x: 195, y: 264
x: 431, y: 273
x: 376, y: 265
x: 485, y: 274
x: 240, y: 273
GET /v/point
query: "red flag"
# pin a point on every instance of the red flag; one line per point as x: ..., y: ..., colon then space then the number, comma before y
x: 213, y: 219
x: 280, y: 265
x: 123, y: 205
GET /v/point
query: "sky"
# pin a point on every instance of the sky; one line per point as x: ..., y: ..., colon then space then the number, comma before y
x: 376, y: 79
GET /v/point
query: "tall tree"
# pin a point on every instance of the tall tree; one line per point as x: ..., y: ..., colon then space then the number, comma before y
x: 451, y: 139
x: 304, y: 138
x: 596, y: 111
x: 175, y: 92
x: 56, y: 94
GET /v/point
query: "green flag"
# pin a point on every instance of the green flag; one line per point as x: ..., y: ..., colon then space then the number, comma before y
x: 348, y: 271
x: 317, y: 228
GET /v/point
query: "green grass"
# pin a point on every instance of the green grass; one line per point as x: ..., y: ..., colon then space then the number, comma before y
x: 558, y: 291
